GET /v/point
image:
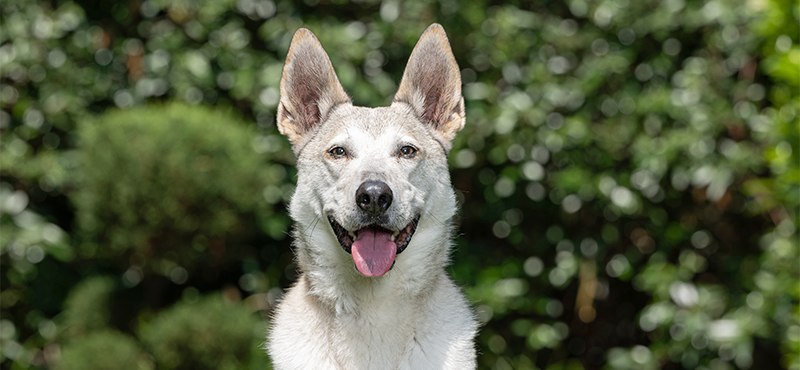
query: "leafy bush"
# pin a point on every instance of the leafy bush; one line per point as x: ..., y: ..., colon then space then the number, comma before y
x: 211, y: 333
x: 87, y: 308
x: 171, y: 186
x: 104, y: 350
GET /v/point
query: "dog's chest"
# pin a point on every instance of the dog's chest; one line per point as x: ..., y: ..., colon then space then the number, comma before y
x: 431, y: 331
x: 379, y: 335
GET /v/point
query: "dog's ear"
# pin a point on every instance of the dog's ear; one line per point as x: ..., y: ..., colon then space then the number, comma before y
x: 309, y: 89
x: 431, y: 85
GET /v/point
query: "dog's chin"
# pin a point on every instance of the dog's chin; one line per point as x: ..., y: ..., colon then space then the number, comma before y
x: 374, y: 247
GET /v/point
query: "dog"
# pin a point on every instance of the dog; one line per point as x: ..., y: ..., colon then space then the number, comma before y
x: 373, y: 218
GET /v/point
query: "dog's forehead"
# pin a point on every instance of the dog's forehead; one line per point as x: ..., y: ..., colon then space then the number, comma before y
x: 382, y: 123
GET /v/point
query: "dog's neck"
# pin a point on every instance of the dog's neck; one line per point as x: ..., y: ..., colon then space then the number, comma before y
x: 349, y: 293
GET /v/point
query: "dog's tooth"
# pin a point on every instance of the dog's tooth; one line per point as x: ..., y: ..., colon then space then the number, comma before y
x: 393, y: 236
x: 352, y: 235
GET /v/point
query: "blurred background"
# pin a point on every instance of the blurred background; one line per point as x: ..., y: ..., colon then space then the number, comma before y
x: 628, y: 177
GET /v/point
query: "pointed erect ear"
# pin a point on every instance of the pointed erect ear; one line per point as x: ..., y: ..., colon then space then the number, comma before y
x: 309, y: 89
x: 431, y: 85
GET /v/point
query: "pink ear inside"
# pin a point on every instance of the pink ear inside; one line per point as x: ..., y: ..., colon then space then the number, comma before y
x: 309, y: 88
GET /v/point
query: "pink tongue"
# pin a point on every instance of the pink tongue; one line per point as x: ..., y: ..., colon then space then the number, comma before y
x: 373, y: 252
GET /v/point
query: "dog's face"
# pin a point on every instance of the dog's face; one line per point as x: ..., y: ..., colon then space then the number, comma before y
x: 371, y: 180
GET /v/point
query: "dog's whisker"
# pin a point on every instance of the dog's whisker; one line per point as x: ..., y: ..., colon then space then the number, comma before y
x: 314, y: 226
x: 435, y: 219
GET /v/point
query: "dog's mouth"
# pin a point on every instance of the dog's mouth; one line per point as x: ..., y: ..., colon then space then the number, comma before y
x: 374, y: 247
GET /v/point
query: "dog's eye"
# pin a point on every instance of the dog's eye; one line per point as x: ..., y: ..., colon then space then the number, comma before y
x: 408, y: 151
x: 337, y: 152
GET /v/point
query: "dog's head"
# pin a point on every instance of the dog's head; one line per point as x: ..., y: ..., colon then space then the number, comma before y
x: 372, y: 182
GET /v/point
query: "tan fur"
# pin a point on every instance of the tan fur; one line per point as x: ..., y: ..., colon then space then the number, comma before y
x: 414, y: 316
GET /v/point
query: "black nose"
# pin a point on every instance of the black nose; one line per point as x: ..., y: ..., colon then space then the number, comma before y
x: 374, y: 197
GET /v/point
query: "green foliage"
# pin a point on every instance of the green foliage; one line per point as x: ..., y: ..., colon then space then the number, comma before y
x: 210, y: 333
x: 104, y: 350
x: 629, y: 171
x: 172, y: 185
x: 87, y: 308
x: 26, y: 238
